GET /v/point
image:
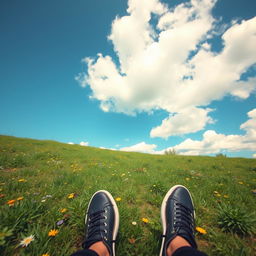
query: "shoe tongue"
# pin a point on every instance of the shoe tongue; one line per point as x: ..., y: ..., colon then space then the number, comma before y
x: 189, y: 238
x: 88, y: 243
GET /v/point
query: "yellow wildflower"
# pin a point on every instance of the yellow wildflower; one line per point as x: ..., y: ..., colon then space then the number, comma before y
x: 201, y: 230
x: 240, y: 182
x: 22, y: 180
x: 27, y: 240
x: 46, y: 254
x: 53, y: 232
x: 20, y: 198
x: 118, y: 199
x: 145, y: 220
x: 187, y: 179
x: 226, y: 196
x: 72, y: 195
x: 63, y: 210
x: 11, y: 202
x: 134, y: 223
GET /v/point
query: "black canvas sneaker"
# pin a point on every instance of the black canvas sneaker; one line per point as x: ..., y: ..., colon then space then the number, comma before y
x: 101, y: 221
x: 177, y: 215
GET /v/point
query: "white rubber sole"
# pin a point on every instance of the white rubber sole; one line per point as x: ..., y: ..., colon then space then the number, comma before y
x: 163, y: 214
x: 116, y: 224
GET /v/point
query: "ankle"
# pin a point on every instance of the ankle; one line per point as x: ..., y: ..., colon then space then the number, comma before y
x: 100, y: 248
x: 175, y: 244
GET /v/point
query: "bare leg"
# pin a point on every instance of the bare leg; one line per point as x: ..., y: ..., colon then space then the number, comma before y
x: 100, y: 248
x: 175, y: 244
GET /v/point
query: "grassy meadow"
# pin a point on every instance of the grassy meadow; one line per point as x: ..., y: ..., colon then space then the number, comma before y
x: 46, y: 186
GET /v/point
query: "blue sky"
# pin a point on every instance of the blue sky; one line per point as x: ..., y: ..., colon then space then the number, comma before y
x: 177, y: 75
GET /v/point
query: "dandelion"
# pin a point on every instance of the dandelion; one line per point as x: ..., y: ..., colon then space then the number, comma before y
x: 134, y: 223
x: 240, y: 182
x: 187, y: 179
x: 20, y: 198
x: 46, y: 254
x: 216, y: 193
x: 27, y: 240
x: 145, y: 220
x: 22, y: 180
x: 53, y: 232
x: 63, y: 210
x: 201, y: 230
x: 226, y: 196
x: 71, y: 196
x: 11, y: 202
x: 118, y: 199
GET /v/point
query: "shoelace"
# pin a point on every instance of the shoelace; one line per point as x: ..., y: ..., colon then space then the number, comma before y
x: 95, y: 226
x: 183, y: 218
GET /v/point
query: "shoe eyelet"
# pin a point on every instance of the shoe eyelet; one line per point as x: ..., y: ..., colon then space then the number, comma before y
x: 105, y: 224
x: 105, y: 238
x: 105, y: 231
x: 106, y: 217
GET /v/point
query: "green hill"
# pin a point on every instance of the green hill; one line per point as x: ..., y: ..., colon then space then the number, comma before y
x: 50, y: 181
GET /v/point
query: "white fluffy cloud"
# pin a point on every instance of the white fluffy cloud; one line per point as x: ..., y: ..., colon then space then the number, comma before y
x: 171, y: 65
x: 141, y: 147
x: 188, y: 120
x: 211, y: 143
x: 83, y: 143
